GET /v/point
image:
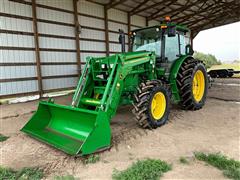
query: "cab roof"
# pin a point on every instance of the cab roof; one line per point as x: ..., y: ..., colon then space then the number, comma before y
x: 179, y: 27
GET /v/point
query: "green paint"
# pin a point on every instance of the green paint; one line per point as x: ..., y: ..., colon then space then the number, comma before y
x: 85, y: 127
x: 106, y: 83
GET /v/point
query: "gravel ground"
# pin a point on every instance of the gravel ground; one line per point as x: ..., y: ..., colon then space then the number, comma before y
x: 215, y: 128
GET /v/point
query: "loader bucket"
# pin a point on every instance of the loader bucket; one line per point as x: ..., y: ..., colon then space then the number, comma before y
x: 75, y: 131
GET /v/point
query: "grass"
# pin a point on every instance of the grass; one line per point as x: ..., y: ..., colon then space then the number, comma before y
x: 3, y: 138
x: 183, y: 160
x: 148, y: 169
x: 92, y: 159
x: 67, y: 177
x: 230, y: 167
x: 23, y: 174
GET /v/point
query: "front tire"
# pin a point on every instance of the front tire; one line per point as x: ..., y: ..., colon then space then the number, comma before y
x: 192, y: 82
x: 151, y: 104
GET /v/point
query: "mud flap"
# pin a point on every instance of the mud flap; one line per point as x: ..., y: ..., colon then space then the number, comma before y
x: 75, y: 131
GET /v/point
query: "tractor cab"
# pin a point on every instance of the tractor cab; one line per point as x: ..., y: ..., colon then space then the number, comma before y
x: 168, y: 40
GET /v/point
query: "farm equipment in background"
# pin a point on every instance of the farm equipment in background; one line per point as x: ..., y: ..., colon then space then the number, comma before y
x: 222, y: 73
x: 158, y: 69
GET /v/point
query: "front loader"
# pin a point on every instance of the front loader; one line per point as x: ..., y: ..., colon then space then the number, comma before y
x: 158, y: 69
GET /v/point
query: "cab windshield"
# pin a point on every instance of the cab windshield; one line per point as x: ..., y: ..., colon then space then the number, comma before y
x: 147, y: 40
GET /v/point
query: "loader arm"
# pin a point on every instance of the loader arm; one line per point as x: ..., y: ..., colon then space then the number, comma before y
x: 84, y: 127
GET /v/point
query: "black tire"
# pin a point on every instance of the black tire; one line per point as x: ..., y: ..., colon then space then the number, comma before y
x: 142, y: 104
x: 185, y: 83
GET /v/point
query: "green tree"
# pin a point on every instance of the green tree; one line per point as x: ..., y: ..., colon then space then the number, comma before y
x: 208, y: 59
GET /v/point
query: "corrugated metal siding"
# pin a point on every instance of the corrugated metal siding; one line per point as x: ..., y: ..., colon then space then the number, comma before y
x: 57, y: 43
x: 56, y: 40
x: 153, y: 23
x: 15, y: 24
x: 114, y: 14
x: 55, y: 29
x: 15, y: 56
x: 138, y: 20
x: 115, y: 26
x: 53, y: 15
x: 54, y: 43
x: 59, y: 83
x: 47, y: 56
x: 18, y: 87
x: 64, y: 4
x: 17, y: 40
x: 90, y: 8
x: 94, y: 34
x: 7, y: 72
x: 15, y: 8
x: 54, y: 70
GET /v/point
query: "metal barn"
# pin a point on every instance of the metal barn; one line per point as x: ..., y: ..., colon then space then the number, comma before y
x: 44, y: 43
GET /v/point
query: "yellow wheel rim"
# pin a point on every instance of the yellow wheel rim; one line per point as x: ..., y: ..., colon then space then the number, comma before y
x: 158, y: 105
x: 198, y: 85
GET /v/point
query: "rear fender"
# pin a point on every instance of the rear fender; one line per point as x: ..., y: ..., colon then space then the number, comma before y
x: 173, y: 77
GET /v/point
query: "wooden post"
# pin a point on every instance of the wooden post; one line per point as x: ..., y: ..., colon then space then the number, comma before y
x: 76, y: 23
x: 106, y: 30
x: 37, y: 51
x: 191, y: 38
x: 129, y: 29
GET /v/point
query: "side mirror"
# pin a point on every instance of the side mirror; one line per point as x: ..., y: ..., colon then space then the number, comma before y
x: 121, y: 36
x: 171, y: 31
x: 121, y: 39
x: 189, y: 50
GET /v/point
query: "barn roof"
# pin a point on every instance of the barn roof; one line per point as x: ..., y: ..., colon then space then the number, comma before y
x: 198, y: 15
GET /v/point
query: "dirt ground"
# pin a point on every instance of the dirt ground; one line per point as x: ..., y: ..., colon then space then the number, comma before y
x: 215, y: 128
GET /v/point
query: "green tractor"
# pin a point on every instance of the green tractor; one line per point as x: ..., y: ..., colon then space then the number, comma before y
x: 158, y: 69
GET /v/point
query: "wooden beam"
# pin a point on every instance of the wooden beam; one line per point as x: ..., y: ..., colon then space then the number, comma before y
x: 213, y: 8
x: 220, y: 17
x: 217, y: 24
x: 112, y: 4
x: 159, y: 10
x: 183, y: 18
x: 106, y: 30
x: 194, y: 34
x: 191, y: 38
x: 77, y: 31
x: 37, y: 51
x: 151, y: 6
x: 183, y: 8
x: 138, y: 6
x: 213, y: 14
x: 216, y: 18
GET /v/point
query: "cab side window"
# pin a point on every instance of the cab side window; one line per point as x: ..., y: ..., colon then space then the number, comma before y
x: 183, y: 42
x: 171, y: 47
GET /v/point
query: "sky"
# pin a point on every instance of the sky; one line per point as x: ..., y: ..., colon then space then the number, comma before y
x: 222, y: 41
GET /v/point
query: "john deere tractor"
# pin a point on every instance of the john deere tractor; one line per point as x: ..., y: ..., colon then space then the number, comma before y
x: 158, y: 69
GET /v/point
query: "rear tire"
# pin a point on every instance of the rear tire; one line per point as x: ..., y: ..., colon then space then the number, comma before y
x: 193, y: 96
x: 151, y: 104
